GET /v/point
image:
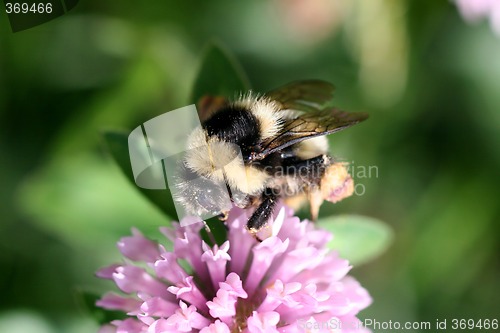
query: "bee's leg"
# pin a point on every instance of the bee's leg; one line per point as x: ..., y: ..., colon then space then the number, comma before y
x: 223, y: 216
x: 315, y: 201
x: 310, y: 173
x: 261, y: 215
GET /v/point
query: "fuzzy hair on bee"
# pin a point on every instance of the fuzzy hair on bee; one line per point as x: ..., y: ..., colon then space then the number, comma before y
x: 263, y: 148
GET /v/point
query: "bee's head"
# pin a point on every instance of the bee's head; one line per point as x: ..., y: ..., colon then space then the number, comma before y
x: 222, y: 162
x: 207, y: 155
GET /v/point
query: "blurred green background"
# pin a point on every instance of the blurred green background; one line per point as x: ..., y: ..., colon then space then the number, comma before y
x: 429, y: 80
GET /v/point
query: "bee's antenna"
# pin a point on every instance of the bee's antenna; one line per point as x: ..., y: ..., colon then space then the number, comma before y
x: 209, y: 233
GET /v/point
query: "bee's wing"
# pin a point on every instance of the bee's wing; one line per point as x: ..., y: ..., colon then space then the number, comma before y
x: 309, y: 125
x: 306, y: 95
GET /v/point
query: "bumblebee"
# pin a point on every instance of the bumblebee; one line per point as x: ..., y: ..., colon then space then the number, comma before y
x: 263, y: 148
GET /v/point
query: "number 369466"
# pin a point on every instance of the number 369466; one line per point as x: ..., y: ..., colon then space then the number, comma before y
x: 24, y: 8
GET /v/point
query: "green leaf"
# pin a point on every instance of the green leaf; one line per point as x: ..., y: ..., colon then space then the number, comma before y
x: 218, y: 232
x: 95, y: 204
x: 117, y: 143
x: 357, y: 238
x: 461, y: 223
x: 219, y: 75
